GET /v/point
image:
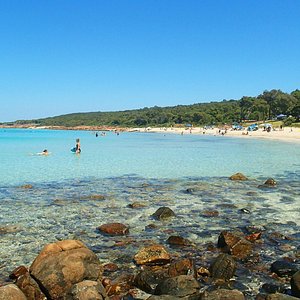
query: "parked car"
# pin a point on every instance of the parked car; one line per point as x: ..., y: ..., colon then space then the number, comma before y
x: 237, y: 127
x: 252, y: 127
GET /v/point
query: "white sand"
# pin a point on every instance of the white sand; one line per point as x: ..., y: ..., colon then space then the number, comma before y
x: 289, y: 134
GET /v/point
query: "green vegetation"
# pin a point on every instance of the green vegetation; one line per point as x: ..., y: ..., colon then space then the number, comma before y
x: 261, y: 108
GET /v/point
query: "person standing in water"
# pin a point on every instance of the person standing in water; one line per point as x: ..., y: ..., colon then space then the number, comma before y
x: 77, y: 147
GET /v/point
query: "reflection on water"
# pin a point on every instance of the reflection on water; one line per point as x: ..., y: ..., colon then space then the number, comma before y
x: 73, y: 209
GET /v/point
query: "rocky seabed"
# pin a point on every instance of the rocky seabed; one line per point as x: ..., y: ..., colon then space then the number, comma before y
x: 224, y: 252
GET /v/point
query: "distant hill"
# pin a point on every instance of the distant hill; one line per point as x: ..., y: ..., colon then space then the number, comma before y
x: 265, y: 106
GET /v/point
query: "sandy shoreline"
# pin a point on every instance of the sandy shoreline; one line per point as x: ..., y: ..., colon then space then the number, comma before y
x: 288, y: 134
x: 291, y: 134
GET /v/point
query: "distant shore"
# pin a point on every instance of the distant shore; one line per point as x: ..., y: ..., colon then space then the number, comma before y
x: 291, y: 134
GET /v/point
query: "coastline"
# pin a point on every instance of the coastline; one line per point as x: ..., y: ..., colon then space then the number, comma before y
x: 287, y: 134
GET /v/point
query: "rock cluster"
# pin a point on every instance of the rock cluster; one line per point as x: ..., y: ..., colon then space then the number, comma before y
x: 68, y: 269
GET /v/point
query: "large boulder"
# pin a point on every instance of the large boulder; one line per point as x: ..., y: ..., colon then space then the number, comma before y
x: 152, y: 255
x: 11, y: 292
x: 61, y: 265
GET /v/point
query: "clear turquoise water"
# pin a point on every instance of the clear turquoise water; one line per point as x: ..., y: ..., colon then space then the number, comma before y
x: 153, y: 169
x: 142, y: 154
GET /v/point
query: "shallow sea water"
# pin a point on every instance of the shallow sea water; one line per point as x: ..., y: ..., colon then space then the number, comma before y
x: 151, y: 169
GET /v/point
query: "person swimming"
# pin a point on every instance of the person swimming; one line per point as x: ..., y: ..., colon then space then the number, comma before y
x: 77, y: 147
x: 45, y: 152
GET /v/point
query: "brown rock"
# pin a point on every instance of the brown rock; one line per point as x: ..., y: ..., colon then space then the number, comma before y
x: 9, y: 229
x: 30, y: 288
x: 223, y: 267
x: 182, y: 267
x: 97, y: 197
x: 210, y: 213
x: 152, y: 255
x: 17, y: 272
x: 110, y: 267
x: 62, y: 264
x: 114, y: 229
x: 238, y: 176
x: 223, y: 294
x: 26, y: 186
x: 203, y: 272
x: 180, y: 286
x: 235, y: 243
x: 178, y: 241
x: 253, y: 237
x: 120, y: 285
x: 270, y: 182
x: 11, y: 292
x: 89, y: 290
x: 136, y: 205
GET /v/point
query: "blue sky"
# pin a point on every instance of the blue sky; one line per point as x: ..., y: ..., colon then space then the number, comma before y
x: 64, y: 56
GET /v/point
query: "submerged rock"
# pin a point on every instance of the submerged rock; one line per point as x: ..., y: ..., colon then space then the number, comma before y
x: 163, y: 213
x: 114, y: 229
x: 152, y: 255
x: 62, y: 264
x: 238, y: 176
x: 210, y: 213
x: 9, y: 229
x: 26, y: 186
x: 178, y: 241
x: 136, y: 205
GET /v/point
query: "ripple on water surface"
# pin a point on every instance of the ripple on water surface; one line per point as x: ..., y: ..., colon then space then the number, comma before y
x: 73, y: 209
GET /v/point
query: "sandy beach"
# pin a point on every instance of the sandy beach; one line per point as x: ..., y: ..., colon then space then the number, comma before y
x: 289, y: 134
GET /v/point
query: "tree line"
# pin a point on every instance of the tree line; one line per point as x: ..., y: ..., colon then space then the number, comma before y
x: 265, y: 106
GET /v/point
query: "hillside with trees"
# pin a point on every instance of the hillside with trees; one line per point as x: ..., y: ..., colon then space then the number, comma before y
x: 265, y: 106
